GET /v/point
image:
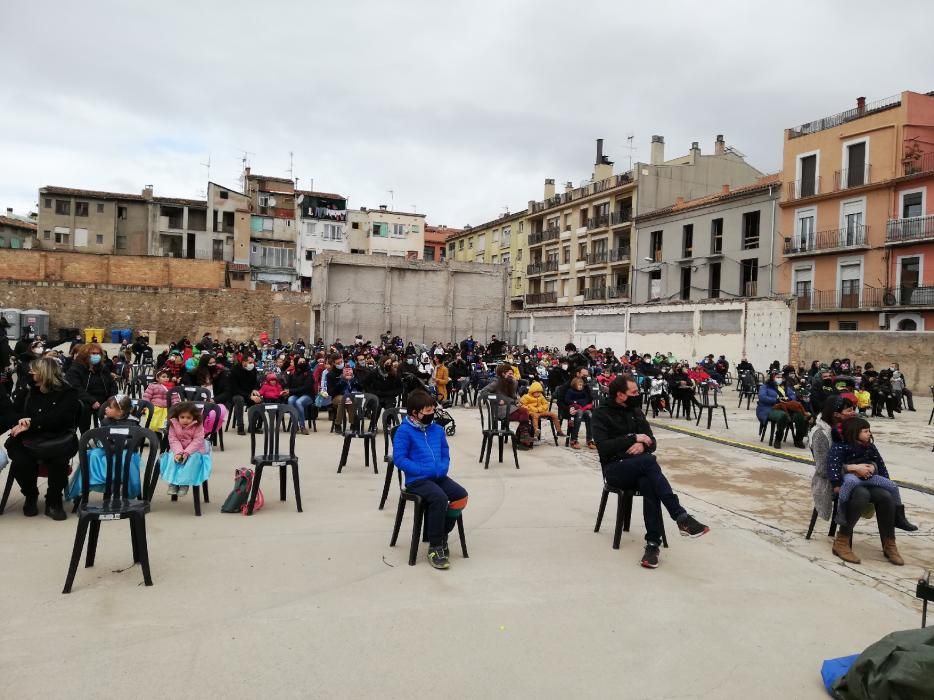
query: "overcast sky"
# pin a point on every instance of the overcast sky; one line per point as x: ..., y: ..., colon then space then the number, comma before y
x: 460, y: 108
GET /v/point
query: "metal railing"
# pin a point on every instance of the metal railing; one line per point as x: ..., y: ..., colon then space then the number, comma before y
x: 618, y: 292
x: 594, y: 293
x: 844, y: 117
x: 841, y: 238
x: 597, y: 258
x: 852, y: 177
x: 542, y: 267
x: 913, y: 229
x: 601, y: 221
x: 621, y: 254
x: 918, y: 163
x: 750, y: 289
x: 622, y: 216
x: 543, y: 236
x: 866, y: 297
x: 541, y: 298
x: 799, y: 189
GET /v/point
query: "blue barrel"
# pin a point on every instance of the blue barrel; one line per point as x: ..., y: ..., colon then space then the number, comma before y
x: 126, y: 334
x: 115, y: 336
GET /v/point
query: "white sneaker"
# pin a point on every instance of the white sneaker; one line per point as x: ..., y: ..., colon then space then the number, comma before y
x: 182, y: 490
x: 173, y: 490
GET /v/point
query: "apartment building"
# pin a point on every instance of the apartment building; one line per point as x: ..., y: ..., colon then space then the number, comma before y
x: 17, y: 232
x: 384, y: 232
x: 580, y: 240
x: 500, y: 241
x: 178, y: 229
x: 436, y: 241
x: 856, y: 216
x: 228, y: 216
x: 322, y: 221
x: 273, y: 230
x: 721, y: 246
x: 89, y: 221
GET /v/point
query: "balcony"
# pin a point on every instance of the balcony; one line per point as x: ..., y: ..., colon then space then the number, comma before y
x: 544, y: 236
x: 621, y: 217
x: 750, y: 289
x: 600, y: 221
x: 541, y: 298
x: 599, y: 257
x: 620, y: 255
x: 618, y: 292
x: 801, y: 189
x: 540, y: 268
x: 848, y: 178
x: 595, y: 294
x: 854, y: 237
x: 867, y: 299
x: 917, y: 162
x: 844, y: 117
x: 913, y: 230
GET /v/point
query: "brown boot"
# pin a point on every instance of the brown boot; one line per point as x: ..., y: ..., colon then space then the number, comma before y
x: 841, y: 547
x: 891, y: 552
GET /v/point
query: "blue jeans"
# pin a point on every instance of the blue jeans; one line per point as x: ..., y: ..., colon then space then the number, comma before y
x: 301, y: 403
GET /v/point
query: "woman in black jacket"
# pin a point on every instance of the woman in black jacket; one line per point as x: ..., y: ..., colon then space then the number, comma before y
x: 386, y: 383
x: 301, y: 386
x: 48, y: 410
x: 89, y: 376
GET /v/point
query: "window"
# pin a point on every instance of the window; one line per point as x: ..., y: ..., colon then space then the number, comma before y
x: 805, y: 234
x: 223, y: 194
x: 47, y: 203
x: 714, y: 291
x: 332, y: 232
x: 852, y: 233
x: 264, y: 200
x: 567, y: 254
x: 100, y: 207
x: 519, y: 255
x: 581, y: 251
x: 64, y: 238
x: 269, y: 256
x: 506, y: 239
x: 567, y: 222
x: 908, y: 278
x: 850, y: 273
x: 121, y: 212
x: 912, y: 205
x: 398, y: 230
x: 81, y: 208
x: 494, y: 260
x: 381, y: 229
x: 505, y: 258
x: 355, y: 224
x: 460, y: 244
x: 47, y: 235
x: 581, y: 284
x: 907, y: 324
x: 309, y: 255
x: 856, y: 171
x: 428, y: 253
x: 655, y: 285
x: 749, y: 277
x: 751, y: 229
x: 451, y: 249
x: 267, y: 224
x: 470, y: 244
x: 803, y: 281
x: 807, y: 184
x: 583, y: 219
x: 121, y: 242
x: 496, y: 236
x: 62, y: 206
x: 521, y: 226
x: 655, y: 246
x: 685, y: 284
x: 716, y: 236
x: 481, y: 243
x: 687, y: 241
x: 99, y: 239
x: 848, y: 325
x: 813, y: 326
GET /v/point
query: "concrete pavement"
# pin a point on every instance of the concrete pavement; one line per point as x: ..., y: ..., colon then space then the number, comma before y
x: 318, y: 605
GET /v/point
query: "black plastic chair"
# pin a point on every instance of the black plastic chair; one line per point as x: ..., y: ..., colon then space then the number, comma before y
x: 776, y: 435
x: 494, y: 416
x: 390, y: 467
x: 391, y: 418
x: 748, y: 389
x: 267, y: 419
x: 120, y: 444
x: 186, y: 393
x: 362, y: 426
x: 418, y: 525
x: 708, y: 402
x: 931, y: 419
x: 141, y: 409
x: 623, y: 511
x: 833, y: 521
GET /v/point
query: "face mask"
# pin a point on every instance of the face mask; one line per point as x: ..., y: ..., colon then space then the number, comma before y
x: 828, y: 382
x: 250, y: 367
x: 426, y: 418
x: 779, y: 380
x: 95, y: 359
x: 339, y: 365
x: 564, y: 367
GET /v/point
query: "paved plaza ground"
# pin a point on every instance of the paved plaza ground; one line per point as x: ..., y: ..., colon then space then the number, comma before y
x: 317, y: 605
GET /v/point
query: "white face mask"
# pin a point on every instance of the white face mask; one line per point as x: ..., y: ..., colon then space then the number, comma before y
x: 779, y: 380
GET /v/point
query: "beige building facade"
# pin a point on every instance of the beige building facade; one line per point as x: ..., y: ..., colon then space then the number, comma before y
x: 89, y: 221
x: 384, y: 232
x: 502, y: 241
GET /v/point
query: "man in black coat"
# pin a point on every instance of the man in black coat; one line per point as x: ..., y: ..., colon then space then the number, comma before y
x: 242, y: 390
x: 625, y: 444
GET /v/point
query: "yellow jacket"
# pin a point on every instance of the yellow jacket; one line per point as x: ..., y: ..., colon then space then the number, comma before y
x: 442, y: 377
x: 534, y: 401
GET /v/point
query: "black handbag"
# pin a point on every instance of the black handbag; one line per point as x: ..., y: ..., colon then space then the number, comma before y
x: 59, y: 447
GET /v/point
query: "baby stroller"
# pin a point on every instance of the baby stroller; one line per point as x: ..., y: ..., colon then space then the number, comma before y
x: 412, y: 383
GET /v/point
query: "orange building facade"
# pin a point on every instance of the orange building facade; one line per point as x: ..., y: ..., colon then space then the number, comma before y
x: 857, y: 217
x: 435, y: 239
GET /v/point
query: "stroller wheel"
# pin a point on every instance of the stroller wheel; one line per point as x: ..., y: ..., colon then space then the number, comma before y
x: 449, y: 431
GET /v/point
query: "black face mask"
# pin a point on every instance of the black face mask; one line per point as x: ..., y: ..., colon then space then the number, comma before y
x: 426, y: 418
x: 634, y: 401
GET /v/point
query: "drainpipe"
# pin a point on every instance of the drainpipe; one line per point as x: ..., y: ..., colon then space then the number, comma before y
x: 772, y: 246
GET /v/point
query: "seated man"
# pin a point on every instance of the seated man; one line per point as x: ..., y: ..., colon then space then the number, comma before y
x: 625, y: 443
x: 420, y: 450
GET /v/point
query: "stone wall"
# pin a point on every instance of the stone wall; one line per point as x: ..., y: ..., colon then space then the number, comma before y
x: 914, y: 352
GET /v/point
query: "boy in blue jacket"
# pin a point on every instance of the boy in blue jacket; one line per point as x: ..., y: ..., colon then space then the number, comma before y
x: 420, y: 450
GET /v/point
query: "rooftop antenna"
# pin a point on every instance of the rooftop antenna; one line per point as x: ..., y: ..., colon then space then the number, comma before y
x: 244, y: 164
x: 291, y: 175
x: 414, y: 209
x: 506, y: 210
x: 630, y: 146
x: 204, y: 192
x: 392, y: 198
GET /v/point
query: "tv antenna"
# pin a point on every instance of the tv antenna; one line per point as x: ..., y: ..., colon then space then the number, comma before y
x: 630, y: 147
x: 204, y: 192
x: 392, y: 199
x: 291, y: 175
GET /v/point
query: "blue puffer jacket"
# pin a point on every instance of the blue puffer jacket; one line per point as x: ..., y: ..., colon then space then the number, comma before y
x: 768, y: 397
x: 421, y: 454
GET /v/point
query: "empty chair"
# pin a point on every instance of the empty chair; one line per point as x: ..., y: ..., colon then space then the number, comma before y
x: 494, y: 415
x: 267, y: 420
x: 119, y: 444
x: 365, y: 408
x: 748, y: 388
x: 706, y: 400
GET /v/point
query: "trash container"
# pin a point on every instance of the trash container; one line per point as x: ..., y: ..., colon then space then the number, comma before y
x: 126, y: 335
x: 91, y: 333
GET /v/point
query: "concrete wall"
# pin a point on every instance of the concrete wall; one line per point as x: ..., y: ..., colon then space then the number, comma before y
x: 914, y: 352
x: 758, y: 329
x: 421, y: 301
x: 171, y: 312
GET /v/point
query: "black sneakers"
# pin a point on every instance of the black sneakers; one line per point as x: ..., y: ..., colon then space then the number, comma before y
x: 650, y: 557
x: 689, y: 527
x: 445, y: 548
x: 437, y: 558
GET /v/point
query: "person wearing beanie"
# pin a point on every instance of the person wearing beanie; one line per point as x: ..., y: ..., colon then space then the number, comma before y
x: 536, y: 404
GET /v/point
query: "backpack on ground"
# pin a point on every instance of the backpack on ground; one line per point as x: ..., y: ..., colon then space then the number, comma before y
x: 524, y: 436
x: 239, y: 498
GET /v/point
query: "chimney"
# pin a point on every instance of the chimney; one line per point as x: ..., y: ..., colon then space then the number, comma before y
x: 695, y: 146
x: 246, y: 171
x: 725, y: 189
x: 9, y: 211
x: 599, y: 152
x: 658, y: 150
x: 860, y: 104
x: 549, y: 188
x: 147, y: 192
x: 568, y: 186
x: 719, y: 146
x: 383, y: 207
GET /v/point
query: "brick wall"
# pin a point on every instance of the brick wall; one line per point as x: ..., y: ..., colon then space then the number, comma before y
x: 136, y: 271
x: 171, y: 312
